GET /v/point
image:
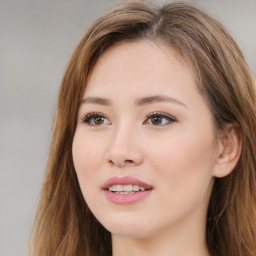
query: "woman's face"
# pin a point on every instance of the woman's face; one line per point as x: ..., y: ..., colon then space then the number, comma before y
x: 144, y: 148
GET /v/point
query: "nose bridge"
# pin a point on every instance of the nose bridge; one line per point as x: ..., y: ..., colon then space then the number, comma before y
x: 122, y: 135
x: 123, y: 149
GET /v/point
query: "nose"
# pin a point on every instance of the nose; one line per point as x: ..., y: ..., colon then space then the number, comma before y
x: 124, y: 149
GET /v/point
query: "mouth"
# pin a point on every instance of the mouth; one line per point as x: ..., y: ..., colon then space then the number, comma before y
x: 125, y: 190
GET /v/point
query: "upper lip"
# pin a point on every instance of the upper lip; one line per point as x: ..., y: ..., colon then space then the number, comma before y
x: 127, y: 180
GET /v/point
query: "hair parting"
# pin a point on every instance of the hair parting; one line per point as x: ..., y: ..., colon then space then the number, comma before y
x: 64, y: 225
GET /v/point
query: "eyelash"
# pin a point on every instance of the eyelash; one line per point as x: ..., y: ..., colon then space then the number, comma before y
x: 88, y: 118
x: 169, y: 118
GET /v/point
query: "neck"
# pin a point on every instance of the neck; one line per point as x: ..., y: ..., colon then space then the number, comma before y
x: 157, y: 246
x: 187, y: 241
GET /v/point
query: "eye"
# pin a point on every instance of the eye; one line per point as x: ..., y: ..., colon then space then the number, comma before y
x: 95, y: 119
x: 159, y: 119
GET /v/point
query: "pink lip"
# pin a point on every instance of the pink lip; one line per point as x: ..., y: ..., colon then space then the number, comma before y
x: 125, y: 181
x: 126, y: 198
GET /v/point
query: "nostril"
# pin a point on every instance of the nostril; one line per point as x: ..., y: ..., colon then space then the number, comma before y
x: 122, y: 159
x: 128, y: 161
x: 111, y: 162
x: 120, y: 163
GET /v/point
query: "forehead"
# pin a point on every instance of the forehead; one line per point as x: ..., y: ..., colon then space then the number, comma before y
x: 132, y: 72
x: 142, y: 64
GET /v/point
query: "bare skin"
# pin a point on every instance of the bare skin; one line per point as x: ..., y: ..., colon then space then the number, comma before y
x: 168, y: 142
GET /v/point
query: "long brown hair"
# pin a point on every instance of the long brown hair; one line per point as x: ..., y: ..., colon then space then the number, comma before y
x: 64, y: 225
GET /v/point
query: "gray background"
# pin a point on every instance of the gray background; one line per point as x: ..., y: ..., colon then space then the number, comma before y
x: 37, y: 38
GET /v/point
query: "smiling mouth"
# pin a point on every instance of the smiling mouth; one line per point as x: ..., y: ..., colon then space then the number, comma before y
x: 126, y: 189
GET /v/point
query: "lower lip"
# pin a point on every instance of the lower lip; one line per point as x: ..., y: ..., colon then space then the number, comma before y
x: 126, y: 198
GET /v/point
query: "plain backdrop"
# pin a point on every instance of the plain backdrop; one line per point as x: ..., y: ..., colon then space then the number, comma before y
x: 37, y: 38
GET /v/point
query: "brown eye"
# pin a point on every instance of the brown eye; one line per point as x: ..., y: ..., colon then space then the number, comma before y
x: 98, y: 120
x: 156, y: 120
x: 95, y: 119
x: 159, y: 119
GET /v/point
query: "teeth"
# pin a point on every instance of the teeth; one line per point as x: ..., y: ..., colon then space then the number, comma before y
x: 124, y: 189
x: 128, y: 188
x: 124, y: 192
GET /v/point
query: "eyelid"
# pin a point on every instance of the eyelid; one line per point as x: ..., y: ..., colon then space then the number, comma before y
x: 89, y: 115
x: 170, y: 118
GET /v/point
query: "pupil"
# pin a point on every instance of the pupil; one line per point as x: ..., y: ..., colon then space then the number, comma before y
x: 156, y: 120
x: 98, y: 120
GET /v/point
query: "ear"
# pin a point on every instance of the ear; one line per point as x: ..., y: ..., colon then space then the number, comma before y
x: 229, y: 150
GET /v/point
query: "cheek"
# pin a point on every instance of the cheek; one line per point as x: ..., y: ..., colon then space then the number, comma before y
x: 184, y: 164
x: 88, y: 158
x: 182, y: 153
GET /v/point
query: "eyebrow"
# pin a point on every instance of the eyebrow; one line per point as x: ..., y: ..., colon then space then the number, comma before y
x: 96, y: 100
x: 157, y: 98
x: 138, y: 102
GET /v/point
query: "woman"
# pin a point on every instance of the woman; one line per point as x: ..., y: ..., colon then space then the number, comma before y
x: 153, y: 150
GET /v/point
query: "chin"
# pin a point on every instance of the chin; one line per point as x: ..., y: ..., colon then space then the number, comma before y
x: 127, y: 227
